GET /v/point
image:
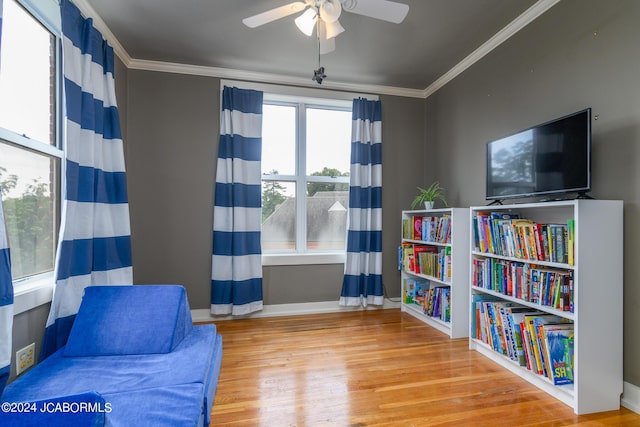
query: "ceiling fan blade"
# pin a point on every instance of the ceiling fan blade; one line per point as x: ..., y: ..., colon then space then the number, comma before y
x: 326, y: 45
x: 385, y: 10
x: 274, y: 14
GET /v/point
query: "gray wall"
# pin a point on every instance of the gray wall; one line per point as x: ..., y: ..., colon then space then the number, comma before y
x: 171, y: 148
x: 581, y: 53
x: 172, y: 123
x: 28, y: 327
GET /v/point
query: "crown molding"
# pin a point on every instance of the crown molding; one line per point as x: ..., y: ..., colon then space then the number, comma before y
x: 540, y: 7
x: 227, y: 73
x: 500, y: 37
x: 118, y: 49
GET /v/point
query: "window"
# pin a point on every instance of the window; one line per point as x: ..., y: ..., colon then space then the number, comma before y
x: 30, y: 157
x: 306, y: 147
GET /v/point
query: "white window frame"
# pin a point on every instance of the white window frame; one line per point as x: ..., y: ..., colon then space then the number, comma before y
x: 303, y: 98
x: 37, y: 290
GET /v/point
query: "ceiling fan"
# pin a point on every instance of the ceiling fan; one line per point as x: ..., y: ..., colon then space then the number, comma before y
x: 324, y: 15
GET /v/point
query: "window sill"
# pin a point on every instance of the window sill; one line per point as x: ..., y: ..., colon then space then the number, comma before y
x: 303, y: 259
x: 33, y: 292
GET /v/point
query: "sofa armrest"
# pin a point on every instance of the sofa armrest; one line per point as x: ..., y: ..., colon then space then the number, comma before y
x: 126, y: 320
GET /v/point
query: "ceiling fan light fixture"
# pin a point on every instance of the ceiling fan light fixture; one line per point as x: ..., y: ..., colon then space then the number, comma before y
x: 330, y: 10
x: 307, y: 21
x: 333, y: 29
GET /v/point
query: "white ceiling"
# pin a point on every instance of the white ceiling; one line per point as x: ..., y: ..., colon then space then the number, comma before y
x: 437, y: 40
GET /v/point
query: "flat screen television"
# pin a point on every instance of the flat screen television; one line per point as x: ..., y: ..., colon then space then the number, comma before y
x: 553, y: 158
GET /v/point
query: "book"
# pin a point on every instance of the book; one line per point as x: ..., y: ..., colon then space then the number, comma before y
x: 409, y: 291
x: 559, y: 354
x: 480, y: 222
x: 512, y: 318
x: 538, y: 323
x: 508, y: 332
x: 534, y: 347
x: 516, y: 319
x: 407, y: 256
x: 445, y: 315
x: 571, y: 231
x: 427, y: 226
x: 478, y: 320
x: 423, y: 261
x: 414, y: 288
x: 430, y: 300
x: 420, y: 294
x: 407, y: 228
x: 417, y: 228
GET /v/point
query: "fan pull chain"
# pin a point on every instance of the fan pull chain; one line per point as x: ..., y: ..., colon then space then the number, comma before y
x: 318, y: 75
x: 318, y: 39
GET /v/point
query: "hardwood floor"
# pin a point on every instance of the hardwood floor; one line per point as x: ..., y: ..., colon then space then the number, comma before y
x: 373, y: 368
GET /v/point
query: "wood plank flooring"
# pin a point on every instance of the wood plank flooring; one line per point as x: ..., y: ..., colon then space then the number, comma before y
x: 373, y: 368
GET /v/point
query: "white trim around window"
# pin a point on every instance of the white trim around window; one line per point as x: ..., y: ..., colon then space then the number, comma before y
x: 303, y: 258
x: 311, y: 97
x: 37, y: 290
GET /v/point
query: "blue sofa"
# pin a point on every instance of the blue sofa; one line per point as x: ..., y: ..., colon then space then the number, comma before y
x: 133, y: 358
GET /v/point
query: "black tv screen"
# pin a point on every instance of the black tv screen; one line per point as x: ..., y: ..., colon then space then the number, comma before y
x: 547, y: 159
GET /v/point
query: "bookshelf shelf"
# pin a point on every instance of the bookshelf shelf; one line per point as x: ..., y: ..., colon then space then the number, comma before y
x: 541, y: 263
x: 452, y: 254
x: 576, y: 277
x: 534, y: 306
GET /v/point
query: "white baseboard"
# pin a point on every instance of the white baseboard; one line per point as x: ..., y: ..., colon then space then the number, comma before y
x: 273, y: 310
x: 631, y: 397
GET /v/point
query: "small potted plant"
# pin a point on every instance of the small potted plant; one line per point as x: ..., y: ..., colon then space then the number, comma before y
x: 428, y: 196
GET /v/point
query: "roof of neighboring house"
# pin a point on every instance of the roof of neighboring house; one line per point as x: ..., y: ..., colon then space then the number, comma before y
x: 326, y: 217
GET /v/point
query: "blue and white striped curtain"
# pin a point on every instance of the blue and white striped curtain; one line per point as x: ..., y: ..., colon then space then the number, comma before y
x: 362, y: 283
x: 95, y: 238
x: 236, y: 266
x: 6, y: 302
x: 6, y: 289
x: 0, y: 23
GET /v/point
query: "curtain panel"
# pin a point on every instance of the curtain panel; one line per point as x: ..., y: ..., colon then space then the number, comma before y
x: 362, y: 283
x: 95, y: 238
x: 0, y: 25
x: 6, y: 303
x: 236, y: 266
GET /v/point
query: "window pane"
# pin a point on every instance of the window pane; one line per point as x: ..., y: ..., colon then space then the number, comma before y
x: 328, y: 142
x: 327, y: 215
x: 278, y: 216
x: 278, y: 139
x: 27, y: 81
x: 28, y: 187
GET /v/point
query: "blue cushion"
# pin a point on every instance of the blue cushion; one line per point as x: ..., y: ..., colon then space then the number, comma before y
x: 126, y: 320
x: 196, y: 359
x: 168, y: 406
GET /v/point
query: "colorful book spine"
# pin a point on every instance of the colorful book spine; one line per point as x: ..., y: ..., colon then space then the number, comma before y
x: 545, y: 286
x: 571, y: 233
x: 417, y: 228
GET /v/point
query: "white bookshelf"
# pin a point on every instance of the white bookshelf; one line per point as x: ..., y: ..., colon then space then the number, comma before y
x: 597, y: 299
x: 457, y: 327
